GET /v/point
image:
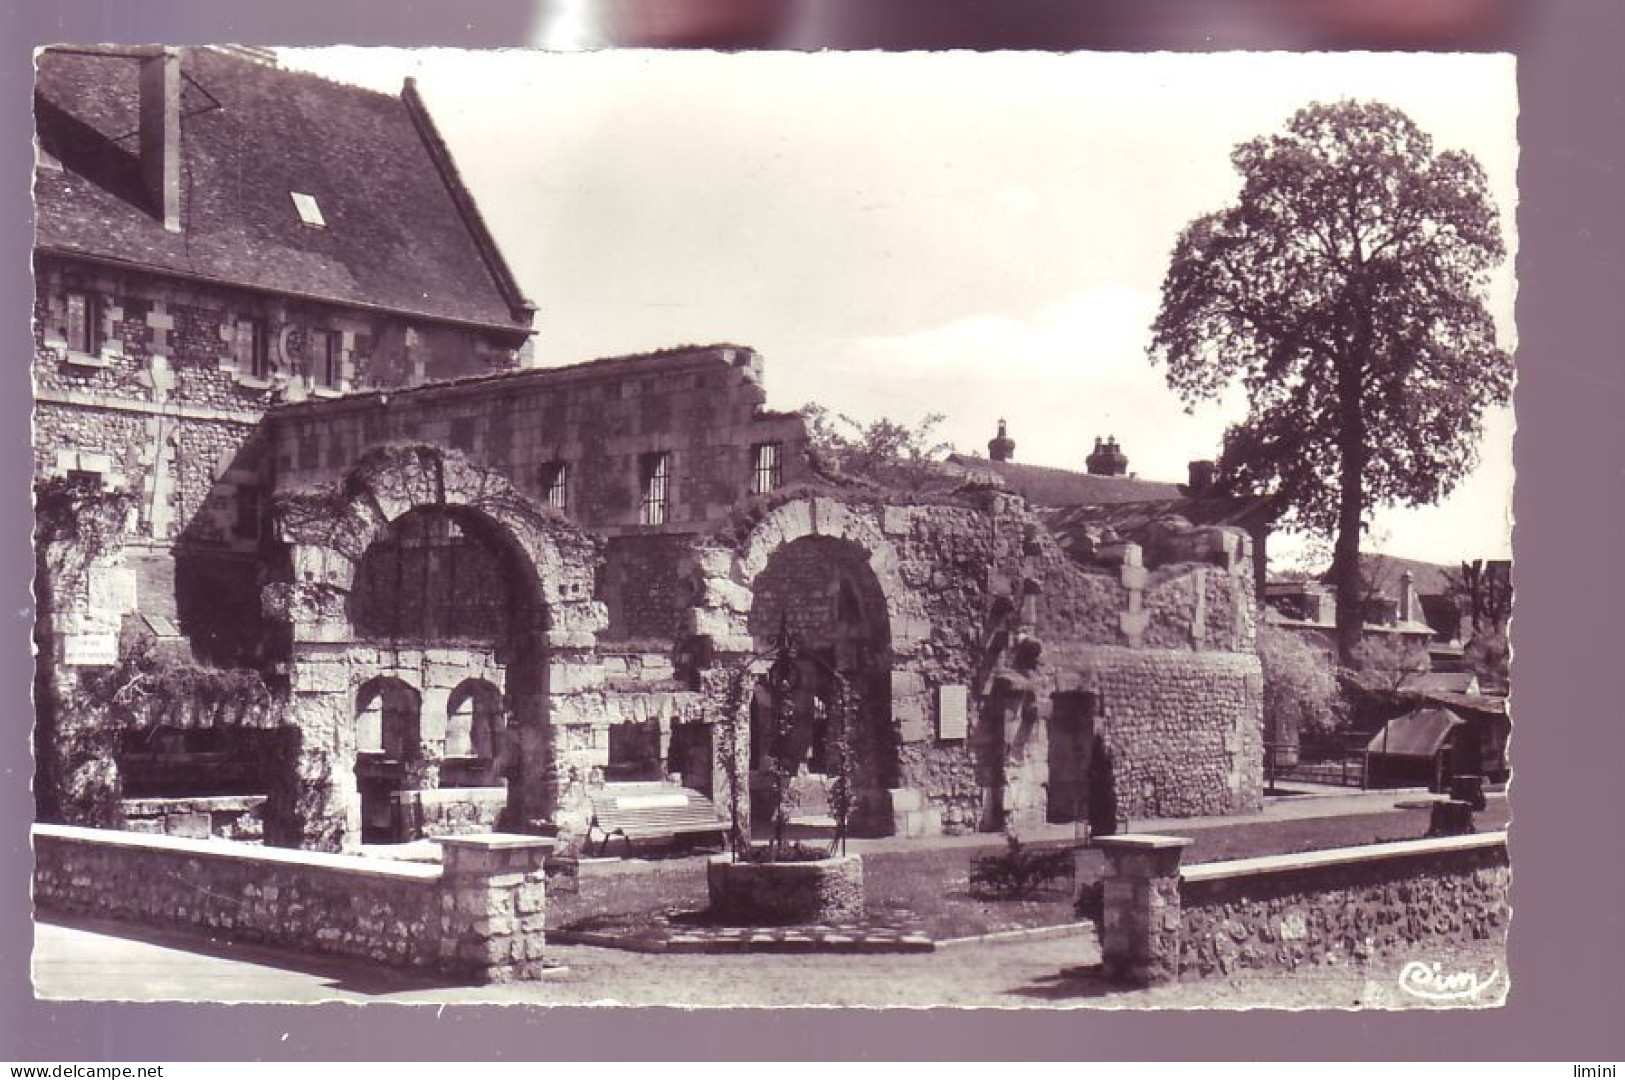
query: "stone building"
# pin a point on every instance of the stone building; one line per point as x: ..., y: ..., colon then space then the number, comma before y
x: 215, y: 235
x: 477, y: 592
x: 591, y: 550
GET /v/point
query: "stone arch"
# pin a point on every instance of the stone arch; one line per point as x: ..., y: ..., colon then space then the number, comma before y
x: 389, y: 754
x: 329, y: 534
x: 474, y: 720
x: 861, y: 536
x: 389, y: 713
x: 725, y: 579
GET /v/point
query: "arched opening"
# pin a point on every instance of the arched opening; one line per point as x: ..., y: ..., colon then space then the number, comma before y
x: 388, y: 750
x: 453, y: 580
x: 823, y: 591
x: 475, y: 728
x: 440, y: 574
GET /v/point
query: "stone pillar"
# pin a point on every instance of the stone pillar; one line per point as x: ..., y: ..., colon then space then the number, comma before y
x: 493, y: 906
x: 1140, y: 918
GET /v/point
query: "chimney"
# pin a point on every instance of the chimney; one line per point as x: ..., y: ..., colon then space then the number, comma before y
x: 1410, y: 607
x: 1108, y: 458
x: 1201, y: 477
x: 1001, y: 447
x: 160, y: 131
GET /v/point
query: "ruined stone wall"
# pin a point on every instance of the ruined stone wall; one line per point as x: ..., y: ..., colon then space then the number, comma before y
x: 702, y: 407
x: 984, y: 607
x: 1185, y: 730
x: 1268, y: 914
x: 229, y: 817
x: 643, y: 588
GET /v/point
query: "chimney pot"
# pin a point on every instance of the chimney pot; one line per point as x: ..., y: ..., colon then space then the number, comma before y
x: 1001, y: 447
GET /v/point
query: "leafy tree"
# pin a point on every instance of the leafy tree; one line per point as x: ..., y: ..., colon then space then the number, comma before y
x: 1300, y: 686
x: 1345, y: 291
x: 1387, y: 660
x: 883, y: 452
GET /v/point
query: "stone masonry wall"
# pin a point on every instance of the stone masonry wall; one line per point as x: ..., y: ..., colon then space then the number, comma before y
x: 158, y: 406
x: 1185, y: 730
x: 978, y: 596
x: 1340, y: 913
x: 485, y: 922
x: 703, y: 407
x: 642, y: 587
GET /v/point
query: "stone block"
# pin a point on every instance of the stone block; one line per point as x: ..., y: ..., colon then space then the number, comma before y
x: 896, y: 520
x: 905, y: 799
x: 193, y: 826
x: 567, y: 678
x: 325, y: 676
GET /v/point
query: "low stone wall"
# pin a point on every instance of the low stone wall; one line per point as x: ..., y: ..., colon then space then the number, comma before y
x: 227, y: 817
x: 1161, y: 924
x: 480, y: 915
x: 787, y: 893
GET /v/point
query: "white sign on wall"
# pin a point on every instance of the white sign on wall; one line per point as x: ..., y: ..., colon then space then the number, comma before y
x: 90, y: 650
x: 952, y: 710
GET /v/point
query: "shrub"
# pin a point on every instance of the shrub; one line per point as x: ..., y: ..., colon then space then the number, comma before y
x: 1019, y: 871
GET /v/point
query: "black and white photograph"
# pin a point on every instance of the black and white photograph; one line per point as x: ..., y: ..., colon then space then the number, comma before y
x: 738, y: 529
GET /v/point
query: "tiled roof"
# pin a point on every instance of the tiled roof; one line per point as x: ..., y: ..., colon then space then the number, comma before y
x: 401, y: 233
x: 1128, y: 518
x: 1045, y: 486
x: 1384, y: 572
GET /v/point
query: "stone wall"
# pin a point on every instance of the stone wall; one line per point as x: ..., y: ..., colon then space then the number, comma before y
x: 982, y: 605
x: 455, y: 811
x: 703, y: 407
x: 1159, y: 923
x: 643, y: 589
x: 227, y: 817
x: 1344, y: 906
x: 480, y: 916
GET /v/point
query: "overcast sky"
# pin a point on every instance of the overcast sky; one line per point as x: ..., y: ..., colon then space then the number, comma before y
x: 978, y: 235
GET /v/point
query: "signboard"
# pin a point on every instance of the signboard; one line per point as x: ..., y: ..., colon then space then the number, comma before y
x: 90, y: 650
x: 952, y: 710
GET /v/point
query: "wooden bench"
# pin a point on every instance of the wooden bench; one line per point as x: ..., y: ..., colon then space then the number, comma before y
x: 651, y: 810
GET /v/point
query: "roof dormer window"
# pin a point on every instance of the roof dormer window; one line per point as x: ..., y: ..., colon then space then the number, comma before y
x: 309, y: 212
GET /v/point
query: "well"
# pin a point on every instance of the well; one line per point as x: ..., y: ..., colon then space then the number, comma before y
x: 786, y: 893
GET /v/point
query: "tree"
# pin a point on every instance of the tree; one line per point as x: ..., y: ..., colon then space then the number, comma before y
x: 1346, y: 292
x: 1300, y: 686
x: 883, y: 452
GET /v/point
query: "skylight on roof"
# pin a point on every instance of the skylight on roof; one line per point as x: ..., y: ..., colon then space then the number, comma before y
x: 309, y: 212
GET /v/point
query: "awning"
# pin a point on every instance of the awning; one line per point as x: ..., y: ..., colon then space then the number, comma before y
x: 1416, y: 734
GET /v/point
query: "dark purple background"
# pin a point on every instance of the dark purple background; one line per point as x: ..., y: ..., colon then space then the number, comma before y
x: 1568, y: 945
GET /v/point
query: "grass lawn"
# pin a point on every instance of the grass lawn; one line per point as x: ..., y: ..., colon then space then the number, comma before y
x: 929, y: 889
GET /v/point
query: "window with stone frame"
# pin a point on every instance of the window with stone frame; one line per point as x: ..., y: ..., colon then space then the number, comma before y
x: 766, y: 471
x: 654, y: 479
x: 81, y: 323
x: 327, y: 359
x: 555, y: 485
x: 252, y: 347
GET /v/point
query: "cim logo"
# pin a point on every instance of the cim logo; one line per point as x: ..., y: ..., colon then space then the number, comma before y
x: 1430, y: 982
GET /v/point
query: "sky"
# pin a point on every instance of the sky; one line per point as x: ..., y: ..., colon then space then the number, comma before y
x: 982, y: 236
